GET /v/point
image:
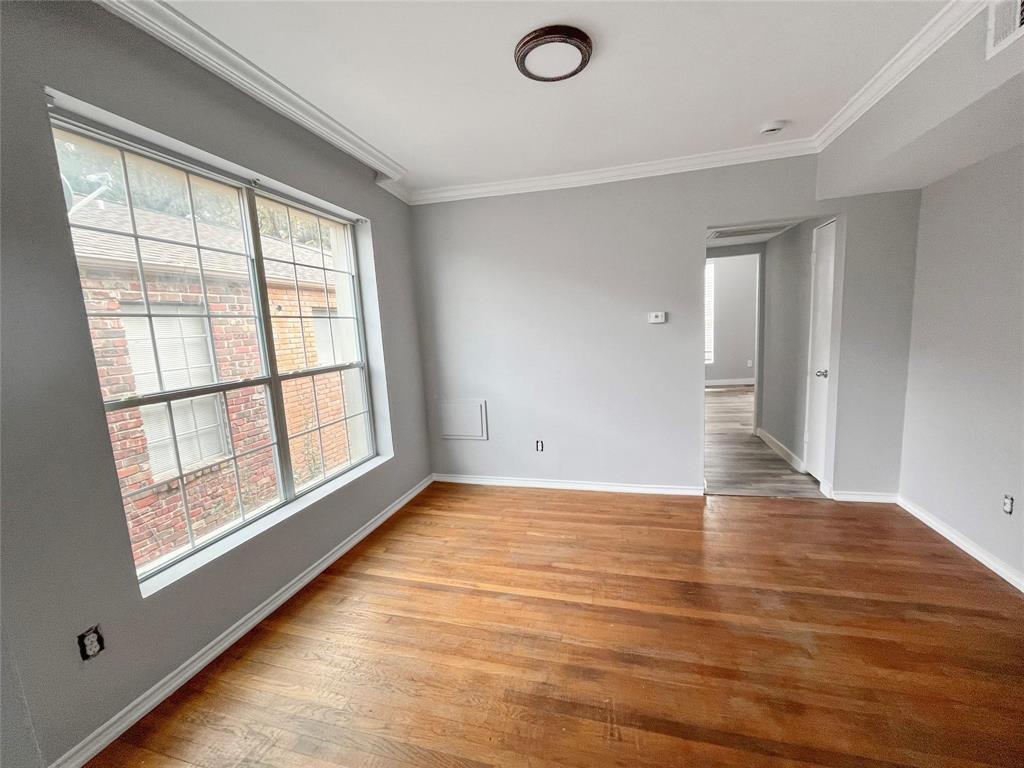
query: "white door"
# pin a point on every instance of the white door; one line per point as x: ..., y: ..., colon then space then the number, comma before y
x: 823, y: 263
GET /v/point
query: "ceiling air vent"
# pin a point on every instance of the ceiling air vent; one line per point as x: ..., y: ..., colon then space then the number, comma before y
x: 1005, y: 24
x: 721, y: 234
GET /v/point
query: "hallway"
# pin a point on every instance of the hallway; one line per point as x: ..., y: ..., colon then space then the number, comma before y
x: 738, y: 463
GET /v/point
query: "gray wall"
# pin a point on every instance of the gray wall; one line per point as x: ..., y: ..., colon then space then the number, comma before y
x: 537, y: 303
x: 17, y: 739
x: 957, y: 75
x: 735, y: 315
x: 65, y: 552
x: 963, y: 442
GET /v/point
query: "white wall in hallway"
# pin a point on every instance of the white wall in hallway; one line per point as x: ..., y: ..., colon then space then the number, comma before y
x: 735, y: 316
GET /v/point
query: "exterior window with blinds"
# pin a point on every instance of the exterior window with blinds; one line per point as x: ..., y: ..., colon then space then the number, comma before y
x: 709, y: 312
x: 228, y: 339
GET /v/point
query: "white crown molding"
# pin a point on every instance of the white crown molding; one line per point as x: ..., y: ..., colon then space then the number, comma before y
x: 644, y: 170
x: 180, y: 33
x: 953, y: 17
x: 177, y: 31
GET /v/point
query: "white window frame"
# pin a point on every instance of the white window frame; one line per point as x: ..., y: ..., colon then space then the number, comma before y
x: 709, y: 312
x: 270, y: 377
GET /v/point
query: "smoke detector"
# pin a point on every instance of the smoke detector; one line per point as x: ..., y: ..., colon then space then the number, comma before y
x: 773, y: 127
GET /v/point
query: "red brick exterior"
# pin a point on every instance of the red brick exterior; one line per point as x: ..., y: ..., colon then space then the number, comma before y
x: 156, y: 519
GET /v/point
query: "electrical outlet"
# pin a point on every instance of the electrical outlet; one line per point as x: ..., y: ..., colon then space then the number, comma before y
x: 750, y: 363
x: 538, y: 446
x: 1008, y: 504
x: 90, y: 643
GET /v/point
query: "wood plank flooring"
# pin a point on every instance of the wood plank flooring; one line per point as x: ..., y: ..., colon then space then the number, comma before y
x: 738, y: 463
x: 520, y: 627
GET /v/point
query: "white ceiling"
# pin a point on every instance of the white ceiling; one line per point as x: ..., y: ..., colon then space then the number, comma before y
x: 434, y: 86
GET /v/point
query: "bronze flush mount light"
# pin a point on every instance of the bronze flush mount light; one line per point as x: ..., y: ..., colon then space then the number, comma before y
x: 553, y: 53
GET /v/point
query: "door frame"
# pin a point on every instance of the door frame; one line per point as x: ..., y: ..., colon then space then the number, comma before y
x: 825, y: 481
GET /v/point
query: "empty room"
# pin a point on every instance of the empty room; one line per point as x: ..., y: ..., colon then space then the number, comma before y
x: 550, y: 384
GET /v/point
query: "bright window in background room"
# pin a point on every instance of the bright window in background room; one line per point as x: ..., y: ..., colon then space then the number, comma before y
x: 228, y: 342
x: 709, y: 312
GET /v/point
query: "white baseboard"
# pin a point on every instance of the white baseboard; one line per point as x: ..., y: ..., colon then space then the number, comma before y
x: 869, y: 496
x: 79, y: 755
x: 791, y: 458
x: 826, y: 489
x: 572, y: 485
x: 727, y: 382
x: 1001, y: 568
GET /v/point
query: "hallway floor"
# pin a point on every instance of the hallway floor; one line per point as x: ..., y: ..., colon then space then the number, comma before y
x: 737, y: 462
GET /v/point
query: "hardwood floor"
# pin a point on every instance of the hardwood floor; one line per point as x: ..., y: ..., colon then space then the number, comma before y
x: 738, y: 463
x: 518, y: 627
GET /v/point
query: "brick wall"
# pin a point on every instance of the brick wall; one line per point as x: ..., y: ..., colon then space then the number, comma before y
x: 156, y: 518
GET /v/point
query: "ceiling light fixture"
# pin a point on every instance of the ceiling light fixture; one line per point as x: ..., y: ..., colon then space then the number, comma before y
x: 553, y: 53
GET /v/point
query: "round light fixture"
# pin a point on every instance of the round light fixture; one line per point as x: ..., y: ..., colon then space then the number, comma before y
x: 553, y: 53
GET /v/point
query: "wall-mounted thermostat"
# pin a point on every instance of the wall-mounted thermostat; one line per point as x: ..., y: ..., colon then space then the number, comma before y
x: 656, y: 317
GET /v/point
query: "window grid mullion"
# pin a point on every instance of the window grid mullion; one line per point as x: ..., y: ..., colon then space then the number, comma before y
x: 234, y: 458
x: 274, y: 383
x: 142, y: 276
x: 202, y: 284
x: 181, y: 478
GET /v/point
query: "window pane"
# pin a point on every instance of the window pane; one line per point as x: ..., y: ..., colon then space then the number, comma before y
x: 257, y: 476
x: 143, y: 446
x: 330, y: 404
x: 312, y: 297
x: 307, y: 463
x: 228, y: 284
x: 346, y: 340
x: 305, y: 229
x: 308, y: 256
x: 340, y: 296
x: 212, y: 496
x: 336, y: 245
x: 108, y: 268
x: 159, y: 195
x: 236, y: 343
x: 201, y: 431
x: 284, y: 300
x: 319, y: 342
x: 249, y: 417
x: 218, y: 214
x: 288, y: 346
x: 299, y: 405
x: 355, y: 390
x: 359, y: 436
x: 183, y: 350
x: 125, y: 360
x: 334, y: 438
x: 172, y: 278
x: 273, y: 224
x: 156, y: 523
x: 92, y: 177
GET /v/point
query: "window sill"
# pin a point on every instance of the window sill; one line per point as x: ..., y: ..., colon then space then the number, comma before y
x: 150, y: 585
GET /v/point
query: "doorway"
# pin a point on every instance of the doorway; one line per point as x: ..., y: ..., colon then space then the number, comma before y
x: 767, y: 330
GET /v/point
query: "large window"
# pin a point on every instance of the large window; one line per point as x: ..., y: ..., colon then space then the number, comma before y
x: 228, y: 342
x: 709, y: 312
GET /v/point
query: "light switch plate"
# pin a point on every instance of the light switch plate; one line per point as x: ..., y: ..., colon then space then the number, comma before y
x: 656, y: 317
